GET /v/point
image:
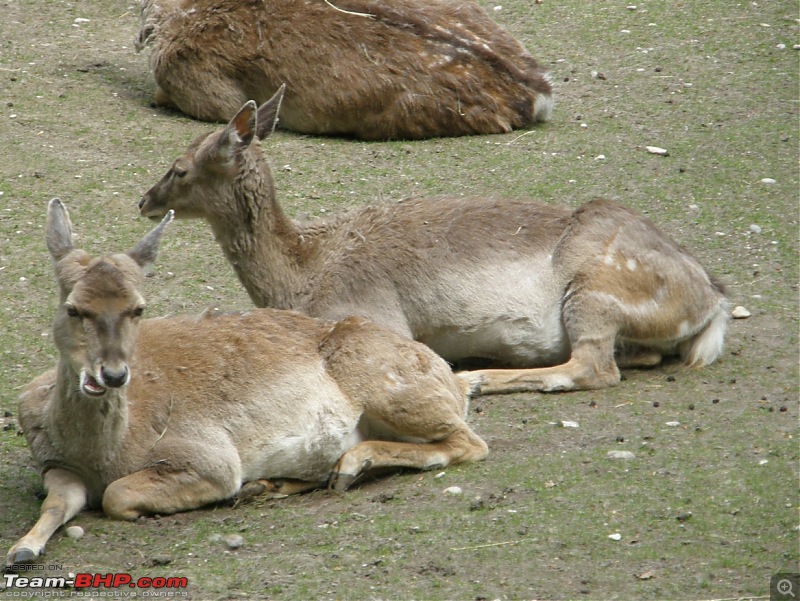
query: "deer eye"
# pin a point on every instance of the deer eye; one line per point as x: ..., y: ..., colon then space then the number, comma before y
x: 138, y: 311
x: 178, y: 171
x: 72, y: 311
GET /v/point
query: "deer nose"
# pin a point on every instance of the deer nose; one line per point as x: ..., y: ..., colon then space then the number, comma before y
x: 141, y: 202
x: 115, y: 378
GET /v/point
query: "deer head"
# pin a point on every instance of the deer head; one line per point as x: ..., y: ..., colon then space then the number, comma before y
x: 192, y: 185
x: 100, y: 305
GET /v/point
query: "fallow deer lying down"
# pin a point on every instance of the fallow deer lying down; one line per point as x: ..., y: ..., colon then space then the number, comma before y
x: 366, y: 68
x: 156, y: 416
x: 547, y: 291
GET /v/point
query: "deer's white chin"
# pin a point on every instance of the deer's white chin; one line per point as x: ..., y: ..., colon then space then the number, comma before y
x: 90, y: 386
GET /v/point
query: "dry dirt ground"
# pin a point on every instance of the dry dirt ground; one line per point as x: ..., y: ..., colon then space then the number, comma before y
x: 706, y: 510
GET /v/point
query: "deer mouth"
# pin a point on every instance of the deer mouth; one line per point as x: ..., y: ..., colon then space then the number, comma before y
x: 90, y: 386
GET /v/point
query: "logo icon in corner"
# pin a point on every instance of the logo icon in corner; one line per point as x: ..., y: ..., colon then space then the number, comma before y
x: 785, y: 586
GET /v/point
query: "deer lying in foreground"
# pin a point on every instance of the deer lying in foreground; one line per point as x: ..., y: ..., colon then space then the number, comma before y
x: 520, y: 283
x: 366, y: 68
x: 165, y: 415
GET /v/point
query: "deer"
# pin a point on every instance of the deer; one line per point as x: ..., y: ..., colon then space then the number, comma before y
x: 406, y: 69
x: 164, y: 415
x: 553, y: 299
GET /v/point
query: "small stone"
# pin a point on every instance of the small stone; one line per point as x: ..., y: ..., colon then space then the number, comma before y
x: 569, y: 424
x: 75, y: 532
x: 453, y: 490
x: 621, y: 455
x: 234, y: 541
x: 656, y: 150
x: 740, y: 313
x: 81, y: 20
x: 600, y: 157
x: 756, y: 229
x: 440, y: 475
x: 615, y: 536
x: 768, y: 180
x: 160, y: 560
x: 673, y: 424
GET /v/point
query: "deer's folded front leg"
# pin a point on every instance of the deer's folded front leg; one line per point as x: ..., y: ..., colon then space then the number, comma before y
x: 155, y: 490
x: 66, y: 497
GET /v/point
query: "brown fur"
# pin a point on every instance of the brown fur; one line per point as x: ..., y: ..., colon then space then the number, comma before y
x: 513, y: 281
x: 405, y: 69
x: 165, y: 415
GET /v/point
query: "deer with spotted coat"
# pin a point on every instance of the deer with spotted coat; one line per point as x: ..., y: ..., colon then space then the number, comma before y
x: 156, y: 416
x: 559, y: 298
x: 404, y: 69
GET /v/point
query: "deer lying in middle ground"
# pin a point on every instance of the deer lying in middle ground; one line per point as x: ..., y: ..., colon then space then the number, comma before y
x: 403, y: 69
x: 549, y: 292
x: 157, y: 416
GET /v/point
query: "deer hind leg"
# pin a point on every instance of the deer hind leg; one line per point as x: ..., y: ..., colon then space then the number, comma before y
x: 461, y: 446
x: 66, y: 497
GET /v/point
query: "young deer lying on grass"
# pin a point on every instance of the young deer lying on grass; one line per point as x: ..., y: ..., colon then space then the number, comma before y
x: 520, y: 283
x: 367, y: 68
x: 164, y: 415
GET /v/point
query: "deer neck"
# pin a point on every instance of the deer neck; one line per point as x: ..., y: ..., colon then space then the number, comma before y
x: 265, y: 247
x: 89, y: 432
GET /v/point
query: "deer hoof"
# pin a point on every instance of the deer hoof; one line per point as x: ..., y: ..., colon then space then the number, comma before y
x: 340, y: 481
x: 23, y: 555
x: 253, y: 488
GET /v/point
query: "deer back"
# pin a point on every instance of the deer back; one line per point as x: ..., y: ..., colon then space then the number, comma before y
x: 407, y: 69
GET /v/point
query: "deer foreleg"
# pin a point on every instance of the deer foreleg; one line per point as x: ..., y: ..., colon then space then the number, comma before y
x: 156, y: 491
x: 276, y: 489
x: 66, y: 497
x: 591, y: 367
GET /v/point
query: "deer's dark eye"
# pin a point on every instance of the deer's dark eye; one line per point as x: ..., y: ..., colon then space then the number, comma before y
x: 72, y: 311
x: 138, y: 311
x: 178, y: 171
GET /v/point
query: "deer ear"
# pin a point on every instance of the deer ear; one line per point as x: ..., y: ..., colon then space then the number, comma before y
x: 58, y: 230
x: 241, y: 130
x: 268, y: 114
x: 144, y: 253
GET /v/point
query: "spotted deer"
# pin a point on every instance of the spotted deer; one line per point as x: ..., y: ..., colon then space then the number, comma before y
x: 156, y: 416
x: 404, y: 69
x: 550, y: 293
